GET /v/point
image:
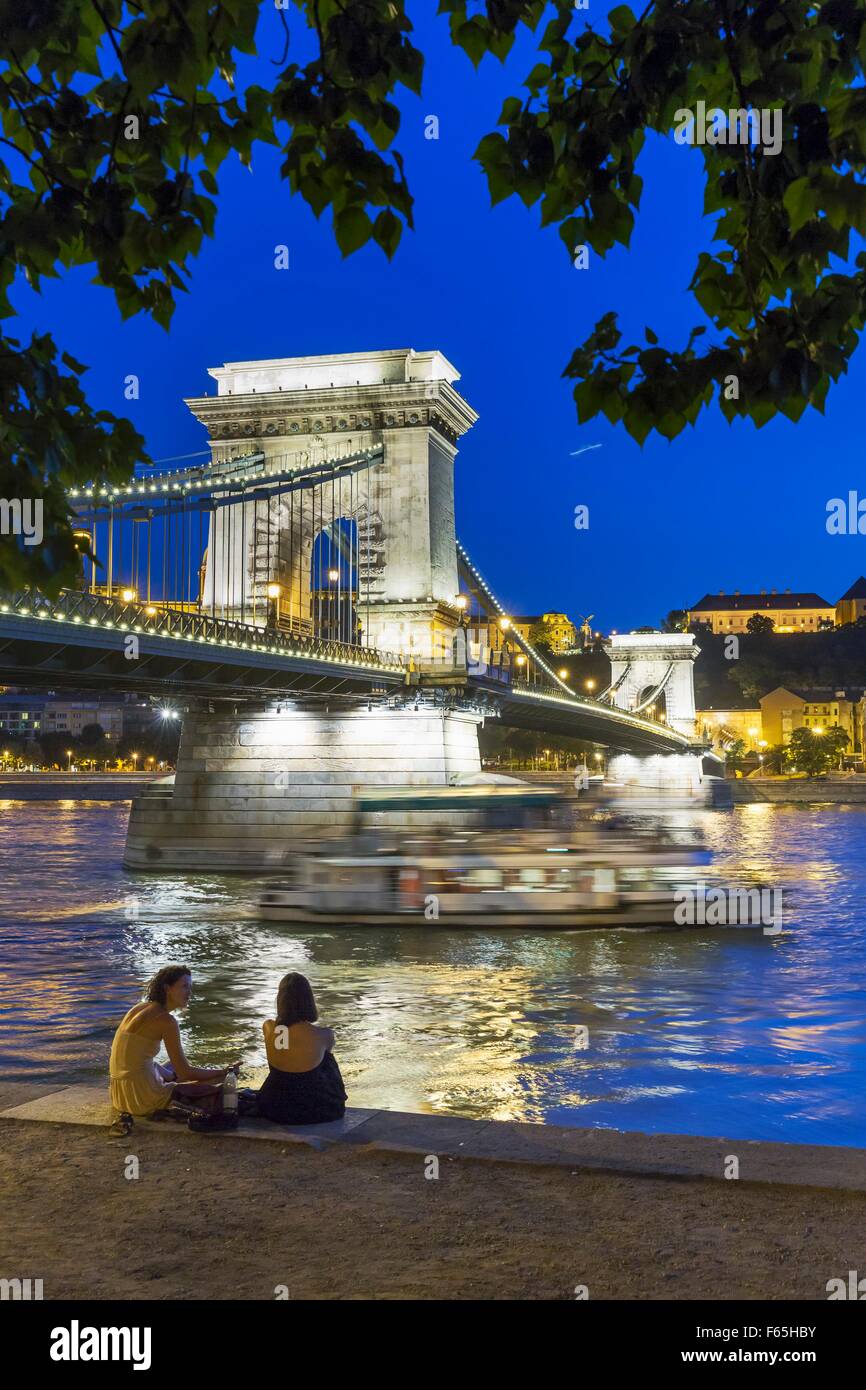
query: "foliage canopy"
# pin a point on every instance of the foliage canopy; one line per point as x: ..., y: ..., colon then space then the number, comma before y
x: 782, y: 307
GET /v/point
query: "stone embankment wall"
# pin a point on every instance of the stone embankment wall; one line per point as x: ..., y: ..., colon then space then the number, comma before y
x: 795, y: 790
x: 72, y: 786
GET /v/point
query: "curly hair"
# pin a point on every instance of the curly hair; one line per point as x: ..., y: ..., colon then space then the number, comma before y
x: 162, y: 981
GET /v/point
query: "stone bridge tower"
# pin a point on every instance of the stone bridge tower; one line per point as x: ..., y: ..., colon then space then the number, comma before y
x: 320, y: 407
x: 657, y: 664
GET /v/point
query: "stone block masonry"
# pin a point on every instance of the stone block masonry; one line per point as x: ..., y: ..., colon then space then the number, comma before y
x: 249, y: 786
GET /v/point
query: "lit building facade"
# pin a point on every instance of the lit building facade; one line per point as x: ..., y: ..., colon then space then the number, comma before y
x: 852, y: 605
x: 560, y: 633
x: 785, y: 710
x: 21, y: 715
x: 790, y: 612
x: 724, y: 726
x: 73, y: 716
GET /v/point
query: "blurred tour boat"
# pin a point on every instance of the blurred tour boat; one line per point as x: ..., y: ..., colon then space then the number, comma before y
x: 513, y: 864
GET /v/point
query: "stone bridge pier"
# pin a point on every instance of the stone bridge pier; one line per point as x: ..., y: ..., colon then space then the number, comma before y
x: 249, y: 786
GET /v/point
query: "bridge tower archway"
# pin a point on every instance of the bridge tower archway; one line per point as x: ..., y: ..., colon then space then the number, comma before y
x: 655, y: 664
x: 327, y: 407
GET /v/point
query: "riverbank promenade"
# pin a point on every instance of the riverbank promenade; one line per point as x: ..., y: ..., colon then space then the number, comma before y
x: 430, y: 1207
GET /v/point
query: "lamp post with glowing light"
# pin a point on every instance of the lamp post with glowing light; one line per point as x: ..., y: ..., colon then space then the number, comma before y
x: 504, y: 625
x: 69, y: 756
x: 461, y: 603
x: 334, y: 618
x: 274, y: 592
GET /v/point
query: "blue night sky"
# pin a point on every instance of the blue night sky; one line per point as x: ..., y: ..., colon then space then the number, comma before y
x: 719, y: 508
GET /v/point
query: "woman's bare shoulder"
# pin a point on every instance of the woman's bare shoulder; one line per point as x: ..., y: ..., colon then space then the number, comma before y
x: 144, y: 1015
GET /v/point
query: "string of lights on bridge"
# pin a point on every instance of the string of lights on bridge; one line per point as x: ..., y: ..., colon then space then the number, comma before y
x: 573, y: 697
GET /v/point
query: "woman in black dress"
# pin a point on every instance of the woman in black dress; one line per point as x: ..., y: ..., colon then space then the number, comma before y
x: 304, y: 1085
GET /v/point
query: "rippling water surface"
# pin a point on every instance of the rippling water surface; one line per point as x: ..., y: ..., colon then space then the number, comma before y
x: 712, y: 1032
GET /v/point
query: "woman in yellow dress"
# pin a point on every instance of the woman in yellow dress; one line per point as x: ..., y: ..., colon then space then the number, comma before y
x: 139, y: 1085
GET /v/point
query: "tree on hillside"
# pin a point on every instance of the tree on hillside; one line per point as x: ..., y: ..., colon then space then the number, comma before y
x: 756, y: 675
x: 760, y: 626
x: 675, y: 621
x: 116, y: 119
x: 539, y: 637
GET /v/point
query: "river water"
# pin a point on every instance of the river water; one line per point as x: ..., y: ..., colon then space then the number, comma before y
x: 720, y: 1032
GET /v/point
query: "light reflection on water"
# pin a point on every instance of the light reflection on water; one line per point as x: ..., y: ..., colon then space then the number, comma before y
x: 712, y: 1032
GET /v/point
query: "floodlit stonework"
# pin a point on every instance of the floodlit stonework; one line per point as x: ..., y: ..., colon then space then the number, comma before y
x: 641, y: 662
x: 249, y: 786
x: 314, y: 408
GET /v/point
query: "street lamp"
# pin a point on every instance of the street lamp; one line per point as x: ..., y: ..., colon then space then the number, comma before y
x: 590, y: 684
x: 333, y: 575
x: 563, y: 675
x: 128, y: 595
x: 134, y: 757
x: 274, y: 592
x: 69, y: 764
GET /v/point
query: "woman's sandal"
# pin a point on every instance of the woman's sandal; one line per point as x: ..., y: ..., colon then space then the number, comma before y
x: 121, y: 1125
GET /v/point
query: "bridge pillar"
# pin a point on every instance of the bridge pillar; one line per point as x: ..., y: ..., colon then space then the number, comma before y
x: 641, y: 661
x: 322, y: 407
x: 249, y: 786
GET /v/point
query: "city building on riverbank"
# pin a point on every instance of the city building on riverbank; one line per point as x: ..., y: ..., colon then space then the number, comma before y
x: 783, y: 710
x: 790, y: 612
x: 21, y: 714
x: 723, y: 726
x: 27, y: 715
x: 852, y: 605
x: 72, y: 717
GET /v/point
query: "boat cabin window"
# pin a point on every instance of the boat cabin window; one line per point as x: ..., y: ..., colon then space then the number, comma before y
x: 531, y: 878
x: 484, y: 878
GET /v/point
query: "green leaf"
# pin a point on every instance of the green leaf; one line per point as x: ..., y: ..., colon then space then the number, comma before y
x: 387, y: 230
x: 799, y: 202
x: 352, y: 228
x: 621, y: 20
